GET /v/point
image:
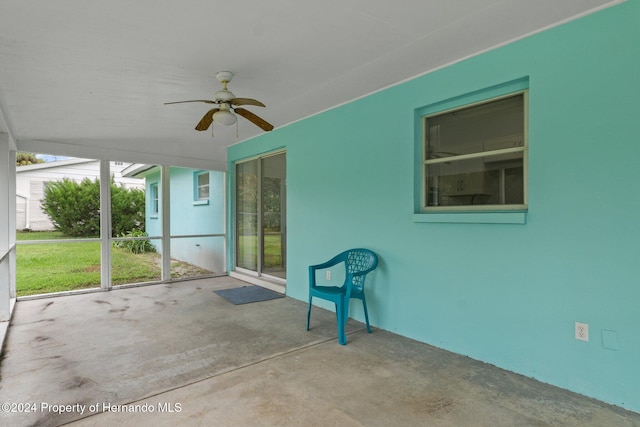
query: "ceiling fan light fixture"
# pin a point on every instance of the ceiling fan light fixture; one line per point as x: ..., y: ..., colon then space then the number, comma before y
x: 224, y: 117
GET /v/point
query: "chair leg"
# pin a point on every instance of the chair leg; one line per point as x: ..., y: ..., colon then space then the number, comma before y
x: 340, y: 314
x: 309, y: 312
x: 366, y: 314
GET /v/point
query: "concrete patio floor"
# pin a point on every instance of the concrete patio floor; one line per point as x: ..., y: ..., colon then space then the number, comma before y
x: 179, y: 355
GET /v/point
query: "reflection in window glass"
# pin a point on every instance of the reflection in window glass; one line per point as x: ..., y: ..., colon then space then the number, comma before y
x: 154, y: 198
x: 203, y: 186
x: 273, y: 190
x: 247, y: 215
x: 476, y: 155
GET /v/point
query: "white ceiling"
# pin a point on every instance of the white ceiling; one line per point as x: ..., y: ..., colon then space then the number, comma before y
x: 89, y: 77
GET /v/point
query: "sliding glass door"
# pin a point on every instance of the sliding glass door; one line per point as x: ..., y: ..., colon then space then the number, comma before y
x: 261, y: 216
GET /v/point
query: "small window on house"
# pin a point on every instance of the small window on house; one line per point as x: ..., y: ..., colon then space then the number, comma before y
x: 475, y: 157
x: 153, y: 189
x: 202, y: 186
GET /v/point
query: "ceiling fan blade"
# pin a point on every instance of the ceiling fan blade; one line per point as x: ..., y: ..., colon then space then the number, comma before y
x: 246, y: 101
x: 206, y: 120
x: 193, y: 100
x: 261, y: 123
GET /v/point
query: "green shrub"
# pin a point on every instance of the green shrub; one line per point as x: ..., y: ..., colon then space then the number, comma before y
x: 127, y: 210
x: 74, y: 207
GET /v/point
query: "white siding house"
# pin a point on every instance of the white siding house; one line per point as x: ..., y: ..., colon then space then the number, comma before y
x: 31, y: 179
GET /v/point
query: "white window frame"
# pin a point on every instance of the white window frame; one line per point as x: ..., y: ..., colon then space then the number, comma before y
x: 523, y: 149
x: 197, y: 197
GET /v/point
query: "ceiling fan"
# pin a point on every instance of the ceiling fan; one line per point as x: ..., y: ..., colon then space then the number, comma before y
x: 226, y: 101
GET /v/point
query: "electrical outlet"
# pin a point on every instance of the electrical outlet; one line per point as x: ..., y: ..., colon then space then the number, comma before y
x: 582, y: 331
x: 328, y: 275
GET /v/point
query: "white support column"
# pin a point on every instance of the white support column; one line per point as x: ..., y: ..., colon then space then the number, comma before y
x: 12, y: 222
x: 166, y: 223
x: 6, y: 205
x: 105, y: 225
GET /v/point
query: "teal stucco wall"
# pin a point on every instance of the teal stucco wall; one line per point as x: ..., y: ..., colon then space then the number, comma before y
x: 506, y: 294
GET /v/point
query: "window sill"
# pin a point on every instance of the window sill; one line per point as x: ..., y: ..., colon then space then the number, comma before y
x: 153, y: 216
x: 473, y: 217
x: 200, y: 202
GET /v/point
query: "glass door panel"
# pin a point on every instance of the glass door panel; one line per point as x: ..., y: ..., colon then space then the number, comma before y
x: 273, y: 216
x: 261, y: 216
x: 247, y: 215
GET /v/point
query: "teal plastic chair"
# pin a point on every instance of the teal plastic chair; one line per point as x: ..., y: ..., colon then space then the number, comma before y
x: 358, y: 262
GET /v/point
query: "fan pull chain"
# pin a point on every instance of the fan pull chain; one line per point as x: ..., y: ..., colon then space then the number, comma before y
x: 237, y: 132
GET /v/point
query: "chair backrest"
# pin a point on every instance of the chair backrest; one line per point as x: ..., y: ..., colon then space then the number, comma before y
x: 359, y: 262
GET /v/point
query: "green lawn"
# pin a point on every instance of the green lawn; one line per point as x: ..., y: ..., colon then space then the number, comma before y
x: 57, y: 267
x: 272, y: 253
x: 40, y: 235
x: 272, y: 250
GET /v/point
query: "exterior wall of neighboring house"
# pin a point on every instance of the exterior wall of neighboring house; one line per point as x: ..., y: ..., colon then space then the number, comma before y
x: 190, y: 217
x: 31, y: 180
x: 506, y: 289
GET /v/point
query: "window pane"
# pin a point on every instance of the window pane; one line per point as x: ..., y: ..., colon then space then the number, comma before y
x: 488, y: 180
x: 203, y: 186
x: 274, y: 216
x: 247, y: 215
x: 491, y: 126
x: 155, y: 205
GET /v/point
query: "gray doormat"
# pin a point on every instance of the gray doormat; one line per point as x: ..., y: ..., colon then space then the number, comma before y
x: 247, y: 294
